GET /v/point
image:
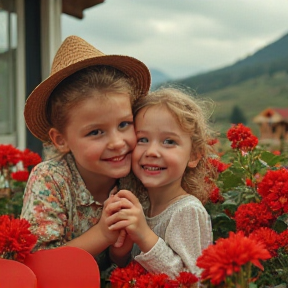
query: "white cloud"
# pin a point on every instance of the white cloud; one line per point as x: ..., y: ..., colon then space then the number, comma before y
x: 181, y: 37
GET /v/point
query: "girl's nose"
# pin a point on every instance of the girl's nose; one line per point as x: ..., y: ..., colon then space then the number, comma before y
x: 116, y: 141
x: 152, y: 150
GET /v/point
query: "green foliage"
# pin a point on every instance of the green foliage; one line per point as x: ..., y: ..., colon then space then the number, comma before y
x: 232, y: 183
x: 13, y: 205
x: 276, y: 270
x: 237, y: 116
x: 221, y: 223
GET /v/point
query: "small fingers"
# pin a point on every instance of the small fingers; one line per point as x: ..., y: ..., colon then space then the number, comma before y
x: 119, y: 225
x: 114, y: 207
x: 121, y: 239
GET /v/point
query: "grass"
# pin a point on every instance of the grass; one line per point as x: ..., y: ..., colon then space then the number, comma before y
x: 252, y: 97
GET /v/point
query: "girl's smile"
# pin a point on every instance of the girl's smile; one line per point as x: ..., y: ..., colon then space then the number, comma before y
x: 163, y: 150
x: 101, y: 144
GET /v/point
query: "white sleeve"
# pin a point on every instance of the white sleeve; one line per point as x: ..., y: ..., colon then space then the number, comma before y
x: 188, y: 233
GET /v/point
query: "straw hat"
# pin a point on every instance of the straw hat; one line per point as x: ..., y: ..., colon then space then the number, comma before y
x: 73, y: 55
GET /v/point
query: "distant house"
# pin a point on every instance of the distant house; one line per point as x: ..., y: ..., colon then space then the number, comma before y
x: 273, y: 124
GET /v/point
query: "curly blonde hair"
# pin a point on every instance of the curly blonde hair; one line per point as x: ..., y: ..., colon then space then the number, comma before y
x: 193, y: 115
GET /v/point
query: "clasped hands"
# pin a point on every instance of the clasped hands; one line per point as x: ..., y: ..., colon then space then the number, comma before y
x: 123, y: 214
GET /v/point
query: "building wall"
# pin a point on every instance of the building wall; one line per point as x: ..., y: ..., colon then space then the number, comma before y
x: 20, y: 67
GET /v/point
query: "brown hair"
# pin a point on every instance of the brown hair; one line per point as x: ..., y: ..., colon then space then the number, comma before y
x: 78, y: 87
x: 192, y: 115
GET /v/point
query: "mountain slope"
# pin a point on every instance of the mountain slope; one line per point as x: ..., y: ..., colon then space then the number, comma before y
x: 251, y: 96
x: 158, y: 77
x: 269, y: 60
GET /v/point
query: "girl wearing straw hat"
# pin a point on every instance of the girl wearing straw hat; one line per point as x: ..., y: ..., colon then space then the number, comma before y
x: 83, y: 112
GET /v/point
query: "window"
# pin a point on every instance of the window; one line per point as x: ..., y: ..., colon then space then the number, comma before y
x: 8, y: 45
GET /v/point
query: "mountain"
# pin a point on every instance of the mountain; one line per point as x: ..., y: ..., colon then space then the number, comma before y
x: 268, y: 60
x: 158, y: 77
x: 250, y: 85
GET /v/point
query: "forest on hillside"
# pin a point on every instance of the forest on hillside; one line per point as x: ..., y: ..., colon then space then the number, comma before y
x: 247, y: 87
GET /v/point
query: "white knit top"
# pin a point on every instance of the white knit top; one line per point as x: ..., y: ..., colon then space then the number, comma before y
x: 184, y: 230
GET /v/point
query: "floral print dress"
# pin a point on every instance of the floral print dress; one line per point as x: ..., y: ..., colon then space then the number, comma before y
x: 58, y: 205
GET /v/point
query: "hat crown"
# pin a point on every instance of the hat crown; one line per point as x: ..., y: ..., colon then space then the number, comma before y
x: 73, y: 50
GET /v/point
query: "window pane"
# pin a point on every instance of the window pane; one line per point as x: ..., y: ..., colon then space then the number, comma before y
x: 8, y: 29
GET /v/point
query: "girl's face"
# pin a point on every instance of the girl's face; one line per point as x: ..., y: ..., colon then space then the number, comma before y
x: 100, y: 134
x: 163, y: 150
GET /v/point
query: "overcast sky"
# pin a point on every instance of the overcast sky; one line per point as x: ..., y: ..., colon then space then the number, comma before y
x: 181, y: 37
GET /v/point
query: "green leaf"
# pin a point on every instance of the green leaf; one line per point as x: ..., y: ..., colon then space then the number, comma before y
x: 231, y: 181
x: 231, y: 205
x: 270, y: 158
x: 280, y: 224
x: 222, y: 225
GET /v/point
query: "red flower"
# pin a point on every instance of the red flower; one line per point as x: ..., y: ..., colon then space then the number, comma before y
x: 220, y: 166
x: 20, y: 176
x: 126, y: 277
x: 134, y: 275
x: 30, y: 158
x: 242, y: 138
x: 228, y: 255
x: 16, y: 240
x: 215, y: 196
x: 249, y: 183
x: 212, y: 142
x: 186, y: 279
x: 274, y: 190
x: 9, y: 155
x: 154, y: 281
x: 269, y: 238
x: 283, y: 240
x: 252, y: 216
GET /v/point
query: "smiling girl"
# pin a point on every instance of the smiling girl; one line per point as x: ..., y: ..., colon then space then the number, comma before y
x: 83, y: 113
x: 170, y: 161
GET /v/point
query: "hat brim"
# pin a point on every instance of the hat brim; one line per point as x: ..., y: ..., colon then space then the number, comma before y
x: 35, y: 107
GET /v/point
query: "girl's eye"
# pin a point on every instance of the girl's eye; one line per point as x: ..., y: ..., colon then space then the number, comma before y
x: 125, y: 124
x: 169, y: 142
x: 95, y: 132
x: 142, y: 140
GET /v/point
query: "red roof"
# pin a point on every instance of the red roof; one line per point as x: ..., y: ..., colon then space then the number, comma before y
x: 282, y: 111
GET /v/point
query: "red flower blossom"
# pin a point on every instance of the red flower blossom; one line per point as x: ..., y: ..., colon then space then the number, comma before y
x: 134, y: 275
x: 30, y: 158
x: 249, y: 183
x: 215, y: 196
x: 20, y: 176
x: 242, y: 138
x: 155, y: 281
x: 186, y: 279
x: 126, y: 277
x: 220, y: 166
x: 212, y: 142
x: 16, y: 240
x: 9, y: 155
x: 274, y: 190
x: 228, y: 255
x: 283, y: 240
x: 252, y: 216
x: 269, y: 237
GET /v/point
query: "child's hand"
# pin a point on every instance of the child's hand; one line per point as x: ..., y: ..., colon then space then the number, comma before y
x: 111, y: 236
x: 121, y: 239
x: 121, y: 255
x: 127, y: 213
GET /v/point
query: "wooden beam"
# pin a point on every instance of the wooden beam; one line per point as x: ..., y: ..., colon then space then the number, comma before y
x: 75, y: 8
